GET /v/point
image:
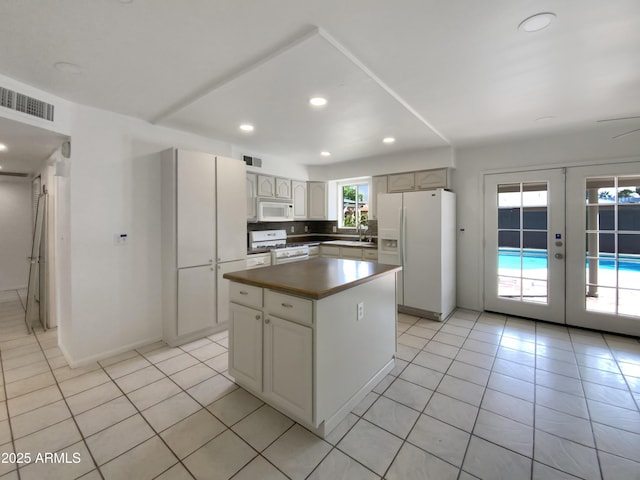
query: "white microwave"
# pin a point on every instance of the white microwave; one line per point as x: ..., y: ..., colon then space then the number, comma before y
x: 274, y: 211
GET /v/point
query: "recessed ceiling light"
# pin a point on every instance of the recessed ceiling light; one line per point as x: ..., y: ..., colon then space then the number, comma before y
x: 67, y: 67
x: 246, y: 127
x: 537, y: 22
x: 388, y: 140
x: 325, y: 154
x: 3, y: 147
x: 318, y: 101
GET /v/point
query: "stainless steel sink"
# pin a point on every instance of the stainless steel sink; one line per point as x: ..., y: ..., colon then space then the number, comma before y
x: 350, y: 243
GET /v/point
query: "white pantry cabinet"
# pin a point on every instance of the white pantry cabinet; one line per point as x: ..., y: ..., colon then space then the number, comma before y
x: 317, y: 201
x: 299, y: 198
x: 198, y: 239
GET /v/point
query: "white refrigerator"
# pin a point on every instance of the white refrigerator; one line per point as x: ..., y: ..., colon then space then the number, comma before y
x: 417, y: 231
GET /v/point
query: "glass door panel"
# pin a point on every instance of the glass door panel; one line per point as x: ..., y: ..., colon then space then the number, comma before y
x: 519, y: 227
x: 609, y: 298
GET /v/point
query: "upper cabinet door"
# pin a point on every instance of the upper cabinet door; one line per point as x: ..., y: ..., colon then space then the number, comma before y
x: 232, y: 200
x: 299, y: 199
x: 252, y: 193
x: 196, y: 208
x: 283, y: 188
x: 266, y: 186
x: 317, y: 207
x: 430, y: 179
x: 401, y: 182
x: 379, y: 185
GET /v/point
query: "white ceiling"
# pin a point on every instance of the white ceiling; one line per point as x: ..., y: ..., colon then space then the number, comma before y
x: 427, y: 72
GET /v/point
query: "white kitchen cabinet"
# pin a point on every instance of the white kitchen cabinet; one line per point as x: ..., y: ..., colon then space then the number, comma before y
x: 197, y: 238
x: 196, y: 299
x: 329, y: 251
x: 245, y: 334
x: 266, y: 186
x: 401, y: 182
x: 252, y: 193
x: 288, y: 367
x: 196, y: 208
x: 351, y: 253
x: 314, y: 251
x: 378, y: 185
x: 431, y: 179
x: 231, y: 231
x: 299, y: 196
x: 283, y: 188
x: 370, y: 254
x: 317, y: 200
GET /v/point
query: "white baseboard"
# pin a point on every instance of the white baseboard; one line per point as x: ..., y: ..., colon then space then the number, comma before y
x: 80, y: 362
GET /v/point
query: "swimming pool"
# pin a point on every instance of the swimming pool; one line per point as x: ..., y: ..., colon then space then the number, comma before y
x: 509, y: 258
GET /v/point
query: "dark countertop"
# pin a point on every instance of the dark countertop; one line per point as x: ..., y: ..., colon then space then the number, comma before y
x: 315, y: 279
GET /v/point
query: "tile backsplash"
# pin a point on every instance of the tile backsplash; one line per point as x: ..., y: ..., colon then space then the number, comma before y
x: 314, y: 227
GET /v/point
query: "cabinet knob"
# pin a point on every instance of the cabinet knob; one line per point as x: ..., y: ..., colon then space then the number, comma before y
x: 211, y: 260
x: 267, y: 321
x: 257, y: 317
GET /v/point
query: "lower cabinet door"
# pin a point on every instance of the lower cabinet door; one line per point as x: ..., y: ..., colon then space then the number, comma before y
x: 245, y: 342
x: 196, y: 299
x: 288, y: 371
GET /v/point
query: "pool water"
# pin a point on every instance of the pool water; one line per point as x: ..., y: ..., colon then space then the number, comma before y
x: 536, y: 259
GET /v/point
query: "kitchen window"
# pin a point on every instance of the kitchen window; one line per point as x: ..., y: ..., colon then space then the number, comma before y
x: 353, y: 203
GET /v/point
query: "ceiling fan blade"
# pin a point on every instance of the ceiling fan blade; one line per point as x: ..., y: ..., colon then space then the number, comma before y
x: 616, y: 119
x: 628, y: 133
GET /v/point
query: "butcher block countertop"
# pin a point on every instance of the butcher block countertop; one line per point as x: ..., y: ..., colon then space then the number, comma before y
x: 315, y: 279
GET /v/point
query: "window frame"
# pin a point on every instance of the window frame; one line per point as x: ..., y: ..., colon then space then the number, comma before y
x: 352, y: 182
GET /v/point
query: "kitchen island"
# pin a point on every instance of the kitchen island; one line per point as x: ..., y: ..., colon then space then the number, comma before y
x: 312, y: 338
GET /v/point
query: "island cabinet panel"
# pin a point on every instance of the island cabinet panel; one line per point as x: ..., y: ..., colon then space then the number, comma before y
x: 245, y: 333
x: 288, y: 368
x: 350, y: 352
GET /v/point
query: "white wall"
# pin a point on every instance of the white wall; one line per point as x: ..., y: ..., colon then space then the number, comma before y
x: 592, y: 147
x: 15, y: 232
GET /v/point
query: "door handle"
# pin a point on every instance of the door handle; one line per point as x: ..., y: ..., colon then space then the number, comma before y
x: 559, y: 256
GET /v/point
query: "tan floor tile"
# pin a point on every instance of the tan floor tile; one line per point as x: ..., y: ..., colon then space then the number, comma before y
x: 188, y: 435
x: 144, y: 462
x: 105, y: 415
x: 119, y: 438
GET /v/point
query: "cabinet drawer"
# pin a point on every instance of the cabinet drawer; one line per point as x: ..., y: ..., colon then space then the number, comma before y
x: 288, y: 307
x: 314, y: 251
x: 245, y: 295
x: 354, y: 253
x: 327, y: 251
x: 370, y: 254
x: 257, y: 261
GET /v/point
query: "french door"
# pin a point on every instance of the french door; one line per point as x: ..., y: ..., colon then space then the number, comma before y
x: 604, y: 230
x: 582, y: 271
x: 524, y: 244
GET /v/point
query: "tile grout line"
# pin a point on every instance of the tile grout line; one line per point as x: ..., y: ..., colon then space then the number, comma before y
x: 69, y: 409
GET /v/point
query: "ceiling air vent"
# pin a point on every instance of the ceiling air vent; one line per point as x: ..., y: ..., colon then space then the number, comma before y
x: 26, y: 104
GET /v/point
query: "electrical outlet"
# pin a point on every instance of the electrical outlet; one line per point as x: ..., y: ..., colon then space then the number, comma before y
x: 360, y: 310
x: 335, y: 229
x: 291, y: 228
x: 306, y: 228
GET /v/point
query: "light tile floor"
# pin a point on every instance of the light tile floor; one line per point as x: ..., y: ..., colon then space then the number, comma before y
x: 478, y: 396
